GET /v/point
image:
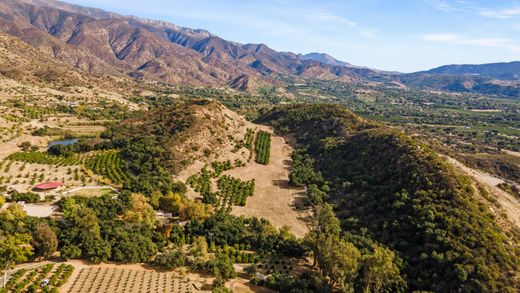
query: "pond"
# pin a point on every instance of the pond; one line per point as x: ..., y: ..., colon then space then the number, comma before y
x: 67, y: 141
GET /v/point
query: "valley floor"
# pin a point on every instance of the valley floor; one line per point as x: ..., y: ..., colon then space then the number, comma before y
x: 274, y: 199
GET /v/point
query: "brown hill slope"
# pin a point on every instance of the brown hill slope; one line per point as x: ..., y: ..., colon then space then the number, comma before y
x: 98, y: 41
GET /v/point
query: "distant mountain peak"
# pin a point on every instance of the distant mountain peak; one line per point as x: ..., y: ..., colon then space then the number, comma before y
x: 325, y: 59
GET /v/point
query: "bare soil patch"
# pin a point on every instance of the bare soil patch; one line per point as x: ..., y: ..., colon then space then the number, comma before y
x: 509, y: 205
x: 274, y: 199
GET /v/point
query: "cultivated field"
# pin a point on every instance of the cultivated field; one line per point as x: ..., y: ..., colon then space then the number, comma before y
x: 130, y: 278
x: 31, y: 280
x: 273, y: 198
x: 23, y: 176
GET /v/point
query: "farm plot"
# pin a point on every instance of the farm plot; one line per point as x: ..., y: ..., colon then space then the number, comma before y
x: 263, y: 147
x: 108, y: 164
x: 22, y: 176
x: 248, y: 142
x: 231, y: 191
x: 31, y: 280
x: 129, y: 280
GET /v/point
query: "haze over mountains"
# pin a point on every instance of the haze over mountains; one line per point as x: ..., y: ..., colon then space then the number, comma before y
x: 100, y: 41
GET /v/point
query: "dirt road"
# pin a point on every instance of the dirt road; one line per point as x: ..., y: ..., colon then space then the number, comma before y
x: 507, y: 202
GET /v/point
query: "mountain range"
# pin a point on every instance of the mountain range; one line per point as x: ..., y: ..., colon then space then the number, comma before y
x: 103, y: 42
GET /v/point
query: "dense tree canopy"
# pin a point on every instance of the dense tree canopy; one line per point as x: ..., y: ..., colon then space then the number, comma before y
x: 396, y: 191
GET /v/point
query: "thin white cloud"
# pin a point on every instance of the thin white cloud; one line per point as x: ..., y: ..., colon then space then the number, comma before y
x: 504, y: 13
x: 500, y: 43
x: 326, y: 16
x: 443, y: 5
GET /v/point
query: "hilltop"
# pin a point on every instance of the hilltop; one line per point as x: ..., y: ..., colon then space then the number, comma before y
x: 392, y: 189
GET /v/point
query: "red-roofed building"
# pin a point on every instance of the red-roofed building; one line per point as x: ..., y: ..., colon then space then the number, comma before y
x: 48, y: 185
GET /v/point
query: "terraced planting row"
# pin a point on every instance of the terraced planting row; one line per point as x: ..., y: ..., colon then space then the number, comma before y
x: 233, y: 191
x: 32, y: 280
x: 248, y: 141
x: 108, y: 164
x: 263, y: 147
x: 201, y: 182
x: 129, y: 280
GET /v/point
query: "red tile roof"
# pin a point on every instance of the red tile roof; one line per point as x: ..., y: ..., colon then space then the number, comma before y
x: 49, y: 185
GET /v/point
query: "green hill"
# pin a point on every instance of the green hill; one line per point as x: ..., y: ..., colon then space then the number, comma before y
x: 388, y: 187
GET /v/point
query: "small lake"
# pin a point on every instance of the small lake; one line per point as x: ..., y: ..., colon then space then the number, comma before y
x: 67, y: 141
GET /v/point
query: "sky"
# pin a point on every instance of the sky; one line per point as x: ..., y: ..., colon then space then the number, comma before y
x: 397, y: 35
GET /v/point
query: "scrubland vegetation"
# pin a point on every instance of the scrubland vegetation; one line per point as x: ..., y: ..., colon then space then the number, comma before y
x: 391, y: 190
x: 388, y: 215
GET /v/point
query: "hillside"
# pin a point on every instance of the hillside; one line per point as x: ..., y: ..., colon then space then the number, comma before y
x: 462, y: 83
x: 502, y: 71
x: 98, y: 41
x: 391, y: 189
x: 101, y: 41
x: 325, y: 58
x: 171, y: 137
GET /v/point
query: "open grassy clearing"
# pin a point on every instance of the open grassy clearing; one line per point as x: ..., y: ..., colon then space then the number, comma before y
x: 274, y: 199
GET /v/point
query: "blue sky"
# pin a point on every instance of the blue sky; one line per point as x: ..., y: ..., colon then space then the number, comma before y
x: 401, y: 35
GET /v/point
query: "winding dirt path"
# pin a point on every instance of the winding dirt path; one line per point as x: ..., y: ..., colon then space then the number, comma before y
x: 506, y: 201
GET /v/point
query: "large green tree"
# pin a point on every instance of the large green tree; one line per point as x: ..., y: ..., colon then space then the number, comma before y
x: 44, y: 241
x: 14, y: 249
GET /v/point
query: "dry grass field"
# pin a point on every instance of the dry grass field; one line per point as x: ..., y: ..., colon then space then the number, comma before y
x: 273, y: 199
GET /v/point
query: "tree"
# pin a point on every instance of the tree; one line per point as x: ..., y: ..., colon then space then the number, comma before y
x: 200, y: 247
x: 324, y: 223
x: 314, y: 195
x: 68, y: 205
x: 170, y: 260
x: 2, y: 200
x: 338, y: 260
x: 25, y: 146
x: 96, y: 250
x: 171, y: 203
x: 81, y: 233
x: 195, y: 210
x: 44, y: 241
x: 140, y: 212
x: 14, y: 249
x: 221, y: 267
x: 12, y: 212
x: 70, y: 251
x: 381, y: 271
x: 251, y: 270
